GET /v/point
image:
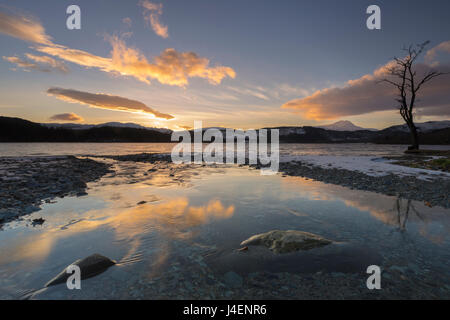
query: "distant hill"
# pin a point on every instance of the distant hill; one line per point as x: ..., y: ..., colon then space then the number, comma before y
x: 344, y: 126
x: 77, y: 126
x: 424, y: 126
x: 19, y: 130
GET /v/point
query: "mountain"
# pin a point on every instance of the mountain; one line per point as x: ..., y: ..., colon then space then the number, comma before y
x: 19, y: 130
x: 343, y: 126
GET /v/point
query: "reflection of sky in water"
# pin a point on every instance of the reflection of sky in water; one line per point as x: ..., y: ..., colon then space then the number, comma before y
x: 216, y: 209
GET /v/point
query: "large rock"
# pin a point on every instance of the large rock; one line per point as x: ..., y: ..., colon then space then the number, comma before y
x: 286, y: 241
x: 89, y: 267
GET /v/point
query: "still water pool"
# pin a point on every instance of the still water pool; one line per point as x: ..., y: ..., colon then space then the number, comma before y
x: 175, y: 237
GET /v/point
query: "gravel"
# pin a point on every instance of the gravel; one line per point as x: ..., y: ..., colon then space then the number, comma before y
x: 28, y: 182
x: 435, y: 192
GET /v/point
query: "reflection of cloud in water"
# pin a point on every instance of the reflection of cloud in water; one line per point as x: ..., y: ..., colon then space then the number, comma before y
x: 387, y: 209
x: 172, y: 219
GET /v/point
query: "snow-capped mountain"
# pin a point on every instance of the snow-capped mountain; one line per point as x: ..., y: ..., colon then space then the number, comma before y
x: 424, y: 126
x: 344, y: 126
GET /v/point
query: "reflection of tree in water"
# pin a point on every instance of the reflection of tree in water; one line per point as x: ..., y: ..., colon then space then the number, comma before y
x: 404, y: 207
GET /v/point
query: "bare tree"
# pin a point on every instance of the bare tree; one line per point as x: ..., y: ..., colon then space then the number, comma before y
x: 403, y: 76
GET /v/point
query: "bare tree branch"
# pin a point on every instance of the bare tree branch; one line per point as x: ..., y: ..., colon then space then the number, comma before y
x: 408, y: 85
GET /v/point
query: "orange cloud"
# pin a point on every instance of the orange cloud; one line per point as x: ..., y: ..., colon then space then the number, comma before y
x: 41, y: 63
x: 170, y: 67
x: 25, y: 65
x: 58, y: 65
x: 431, y: 54
x: 105, y: 101
x: 366, y: 94
x: 23, y: 27
x: 152, y: 11
x: 127, y: 21
x: 66, y: 117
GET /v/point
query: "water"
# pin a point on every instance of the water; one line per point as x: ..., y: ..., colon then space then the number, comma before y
x: 182, y: 242
x: 41, y: 149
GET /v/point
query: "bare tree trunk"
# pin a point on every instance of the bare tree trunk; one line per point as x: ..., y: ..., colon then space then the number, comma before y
x: 408, y: 85
x: 414, y: 136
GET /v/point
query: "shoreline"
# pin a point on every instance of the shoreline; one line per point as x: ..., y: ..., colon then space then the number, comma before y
x: 28, y: 182
x: 434, y: 192
x: 432, y: 189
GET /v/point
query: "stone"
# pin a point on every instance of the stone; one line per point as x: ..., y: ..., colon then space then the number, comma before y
x: 89, y: 267
x: 37, y: 222
x: 287, y: 241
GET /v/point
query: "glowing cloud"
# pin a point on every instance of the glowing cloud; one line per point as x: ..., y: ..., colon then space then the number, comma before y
x: 79, y: 57
x: 23, y: 27
x: 66, y: 117
x: 55, y: 64
x: 152, y: 12
x: 431, y: 54
x: 105, y: 101
x: 367, y: 94
x: 170, y: 67
x: 41, y: 63
x: 25, y: 65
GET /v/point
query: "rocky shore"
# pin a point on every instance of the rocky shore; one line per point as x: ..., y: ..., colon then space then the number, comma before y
x: 435, y: 192
x: 27, y: 182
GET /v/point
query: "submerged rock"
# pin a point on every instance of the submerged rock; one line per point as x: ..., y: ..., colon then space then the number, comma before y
x: 287, y: 241
x: 89, y: 267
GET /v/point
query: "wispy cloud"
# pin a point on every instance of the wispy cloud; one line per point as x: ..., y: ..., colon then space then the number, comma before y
x: 257, y: 93
x: 38, y: 63
x: 55, y: 64
x: 171, y: 67
x: 127, y: 21
x: 105, y: 101
x: 366, y: 94
x: 25, y: 65
x: 287, y: 89
x: 152, y: 12
x: 431, y: 54
x: 72, y: 117
x: 23, y: 27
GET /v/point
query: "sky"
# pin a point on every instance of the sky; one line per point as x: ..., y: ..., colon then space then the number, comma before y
x: 240, y: 64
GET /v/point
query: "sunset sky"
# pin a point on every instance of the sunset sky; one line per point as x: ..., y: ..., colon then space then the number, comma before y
x: 241, y: 64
